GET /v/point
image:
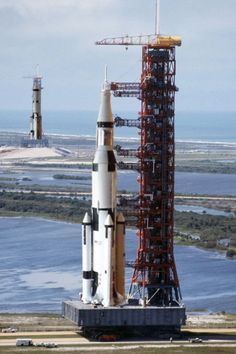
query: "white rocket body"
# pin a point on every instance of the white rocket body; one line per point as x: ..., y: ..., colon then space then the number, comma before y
x: 36, y: 117
x: 86, y: 257
x: 103, y: 253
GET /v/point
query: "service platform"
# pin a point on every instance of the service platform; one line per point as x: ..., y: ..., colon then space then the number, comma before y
x: 95, y: 316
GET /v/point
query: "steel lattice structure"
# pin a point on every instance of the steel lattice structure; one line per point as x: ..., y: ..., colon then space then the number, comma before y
x: 155, y: 280
x: 155, y: 277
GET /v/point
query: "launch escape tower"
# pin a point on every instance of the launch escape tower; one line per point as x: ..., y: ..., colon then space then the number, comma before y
x: 155, y: 280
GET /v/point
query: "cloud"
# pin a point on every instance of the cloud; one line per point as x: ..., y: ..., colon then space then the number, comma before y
x: 24, y: 6
x: 60, y: 35
x: 52, y: 18
x: 67, y: 17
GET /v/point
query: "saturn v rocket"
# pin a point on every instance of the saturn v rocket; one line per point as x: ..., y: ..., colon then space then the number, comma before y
x: 36, y: 117
x: 103, y: 232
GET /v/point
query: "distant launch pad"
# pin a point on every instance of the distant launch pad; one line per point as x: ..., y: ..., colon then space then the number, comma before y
x: 36, y: 137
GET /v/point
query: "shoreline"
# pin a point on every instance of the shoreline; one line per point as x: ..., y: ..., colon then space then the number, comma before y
x: 89, y: 137
x: 177, y: 242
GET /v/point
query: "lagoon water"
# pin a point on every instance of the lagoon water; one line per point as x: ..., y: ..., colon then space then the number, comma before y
x: 185, y: 182
x: 41, y: 265
x: 203, y: 210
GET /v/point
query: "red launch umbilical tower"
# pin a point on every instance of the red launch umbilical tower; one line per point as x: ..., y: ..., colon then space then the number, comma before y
x: 155, y: 279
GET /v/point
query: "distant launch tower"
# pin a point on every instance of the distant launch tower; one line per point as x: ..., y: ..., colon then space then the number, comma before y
x: 36, y: 137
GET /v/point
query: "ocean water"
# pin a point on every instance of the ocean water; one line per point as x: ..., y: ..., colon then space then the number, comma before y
x: 41, y: 266
x: 203, y: 126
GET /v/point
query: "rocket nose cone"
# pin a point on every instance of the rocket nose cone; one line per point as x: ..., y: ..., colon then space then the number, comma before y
x: 109, y: 221
x: 86, y: 219
x: 105, y: 112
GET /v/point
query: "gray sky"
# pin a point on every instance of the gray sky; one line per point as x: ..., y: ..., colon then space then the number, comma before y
x: 59, y: 35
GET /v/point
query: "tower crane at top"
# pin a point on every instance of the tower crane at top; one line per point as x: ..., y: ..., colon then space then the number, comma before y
x: 156, y: 40
x: 143, y: 40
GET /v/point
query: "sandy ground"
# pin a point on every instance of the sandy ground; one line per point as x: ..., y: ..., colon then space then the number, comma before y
x: 36, y: 322
x: 25, y: 153
x: 205, y: 320
x: 212, y: 320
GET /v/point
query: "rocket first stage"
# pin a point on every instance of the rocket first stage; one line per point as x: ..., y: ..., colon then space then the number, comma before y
x: 103, y: 244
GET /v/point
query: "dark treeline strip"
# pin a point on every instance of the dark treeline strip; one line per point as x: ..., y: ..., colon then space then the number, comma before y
x: 71, y: 177
x: 191, y: 228
x: 59, y: 208
x: 206, y: 166
x: 207, y: 231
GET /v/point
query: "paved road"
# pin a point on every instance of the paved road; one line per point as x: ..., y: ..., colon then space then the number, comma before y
x: 75, y: 343
x: 72, y: 338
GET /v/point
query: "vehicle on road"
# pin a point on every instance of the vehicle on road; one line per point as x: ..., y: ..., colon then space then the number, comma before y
x: 9, y: 330
x: 46, y: 345
x: 195, y: 340
x: 24, y: 342
x: 39, y: 344
x: 51, y: 345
